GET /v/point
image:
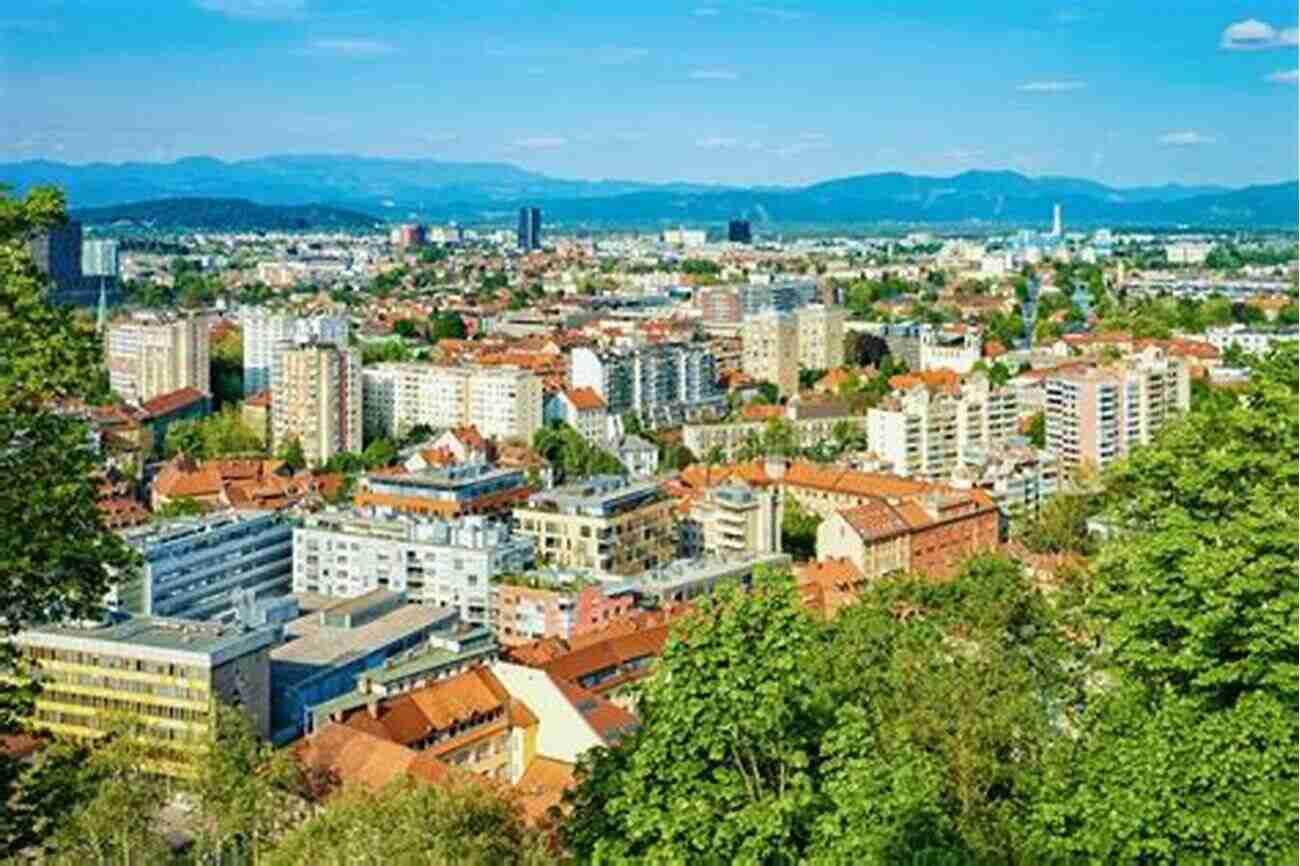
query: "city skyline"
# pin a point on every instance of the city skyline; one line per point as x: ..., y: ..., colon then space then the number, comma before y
x: 701, y: 92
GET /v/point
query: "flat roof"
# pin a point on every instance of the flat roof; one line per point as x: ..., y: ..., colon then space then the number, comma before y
x: 309, y: 642
x: 156, y: 638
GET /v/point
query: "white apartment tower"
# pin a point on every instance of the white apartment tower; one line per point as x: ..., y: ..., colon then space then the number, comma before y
x: 502, y: 402
x: 316, y: 399
x: 265, y: 331
x: 665, y: 383
x: 151, y: 355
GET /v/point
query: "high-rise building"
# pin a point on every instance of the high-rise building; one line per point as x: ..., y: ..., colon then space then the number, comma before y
x: 665, y: 383
x: 1095, y: 415
x: 502, y: 402
x: 410, y: 236
x: 1057, y: 227
x: 99, y: 257
x: 530, y: 229
x: 316, y: 399
x: 57, y: 254
x: 821, y: 337
x: 265, y: 332
x: 770, y: 350
x: 149, y: 355
x: 738, y: 232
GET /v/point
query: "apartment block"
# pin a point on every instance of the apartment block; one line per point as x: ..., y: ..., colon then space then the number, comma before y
x: 165, y: 675
x: 821, y: 336
x: 471, y: 488
x: 606, y: 523
x: 316, y: 399
x: 583, y: 410
x: 442, y: 563
x: 559, y: 605
x: 733, y: 520
x: 149, y: 355
x: 266, y: 333
x: 770, y: 350
x: 191, y: 567
x: 1096, y: 415
x: 502, y: 402
x: 665, y: 383
x: 811, y: 421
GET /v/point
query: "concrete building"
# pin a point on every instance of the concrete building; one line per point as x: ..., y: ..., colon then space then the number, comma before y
x: 583, y: 410
x: 770, y: 350
x: 665, y: 383
x: 1018, y: 478
x: 811, y: 422
x: 99, y: 258
x: 821, y: 337
x: 556, y: 604
x: 316, y: 399
x: 1187, y: 253
x: 441, y: 563
x: 719, y: 303
x: 190, y: 567
x: 166, y: 675
x: 529, y: 235
x: 1095, y: 415
x: 686, y: 238
x: 605, y: 523
x: 57, y: 253
x: 266, y: 333
x: 149, y: 355
x: 456, y: 491
x: 733, y: 520
x: 639, y: 456
x: 932, y: 420
x: 502, y: 402
x: 686, y: 579
x: 1252, y: 341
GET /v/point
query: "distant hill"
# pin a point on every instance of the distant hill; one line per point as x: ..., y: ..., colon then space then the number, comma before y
x: 223, y: 214
x: 398, y: 189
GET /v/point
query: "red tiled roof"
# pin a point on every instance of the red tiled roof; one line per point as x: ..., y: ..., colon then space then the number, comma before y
x: 875, y: 519
x: 261, y: 400
x: 542, y: 786
x: 166, y: 404
x: 585, y: 399
x: 416, y: 715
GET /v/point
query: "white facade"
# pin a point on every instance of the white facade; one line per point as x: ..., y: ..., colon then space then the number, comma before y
x: 267, y: 332
x: 502, y: 402
x: 1248, y: 340
x: 665, y: 382
x: 149, y: 356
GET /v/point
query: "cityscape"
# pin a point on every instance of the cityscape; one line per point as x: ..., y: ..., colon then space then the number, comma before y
x: 801, y: 503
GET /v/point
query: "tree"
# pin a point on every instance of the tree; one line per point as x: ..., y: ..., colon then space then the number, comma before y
x: 55, y: 552
x: 447, y: 326
x: 226, y: 359
x: 183, y: 506
x: 292, y: 454
x: 799, y: 531
x: 406, y: 328
x: 1037, y: 431
x: 1061, y: 526
x: 218, y: 435
x: 378, y: 454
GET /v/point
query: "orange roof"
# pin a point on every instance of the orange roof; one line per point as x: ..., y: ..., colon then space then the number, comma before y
x: 875, y: 519
x: 356, y: 757
x: 261, y: 400
x: 585, y: 399
x: 932, y: 379
x: 761, y: 412
x: 542, y: 786
x: 834, y: 379
x: 416, y: 715
x: 165, y: 404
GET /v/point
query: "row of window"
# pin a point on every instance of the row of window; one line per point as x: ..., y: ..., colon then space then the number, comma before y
x: 121, y: 663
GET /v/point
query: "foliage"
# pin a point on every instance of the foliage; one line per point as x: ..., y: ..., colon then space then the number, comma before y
x: 572, y: 456
x: 1037, y: 430
x: 447, y: 326
x: 406, y: 328
x: 39, y: 796
x: 290, y: 451
x: 226, y: 359
x: 1061, y: 525
x: 215, y: 436
x: 414, y: 825
x: 809, y: 377
x: 183, y: 506
x: 384, y: 351
x: 799, y: 531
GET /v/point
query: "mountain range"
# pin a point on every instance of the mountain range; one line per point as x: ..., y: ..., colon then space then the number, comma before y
x: 348, y: 189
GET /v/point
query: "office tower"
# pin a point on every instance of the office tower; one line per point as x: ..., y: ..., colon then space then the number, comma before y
x: 57, y: 254
x: 150, y: 355
x: 821, y: 337
x: 738, y: 232
x: 530, y: 229
x: 782, y: 296
x: 99, y: 258
x: 665, y: 383
x: 502, y: 402
x: 770, y: 350
x: 316, y: 399
x: 410, y: 236
x: 265, y: 331
x: 1095, y: 415
x: 1056, y: 221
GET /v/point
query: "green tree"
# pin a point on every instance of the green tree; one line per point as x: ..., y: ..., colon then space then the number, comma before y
x: 447, y: 326
x: 799, y: 531
x: 226, y: 360
x: 406, y: 328
x: 378, y: 454
x: 292, y: 454
x: 184, y: 506
x: 1037, y: 431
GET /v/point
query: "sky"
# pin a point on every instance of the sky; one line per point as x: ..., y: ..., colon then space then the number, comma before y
x: 712, y: 91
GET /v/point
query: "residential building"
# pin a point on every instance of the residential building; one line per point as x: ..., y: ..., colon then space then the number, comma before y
x: 638, y: 456
x: 811, y: 422
x: 719, y: 303
x: 606, y: 523
x: 455, y: 491
x: 437, y: 562
x: 165, y: 675
x: 821, y: 336
x: 770, y: 350
x: 1097, y: 414
x: 582, y: 409
x: 555, y: 604
x: 1187, y: 252
x: 501, y: 402
x: 732, y: 520
x: 149, y: 355
x: 682, y: 237
x: 256, y: 412
x: 190, y: 567
x: 1252, y: 341
x: 164, y: 410
x: 99, y: 258
x: 316, y: 399
x: 530, y: 229
x: 665, y: 383
x: 783, y: 296
x: 244, y: 484
x: 685, y: 579
x: 1017, y: 477
x: 266, y: 333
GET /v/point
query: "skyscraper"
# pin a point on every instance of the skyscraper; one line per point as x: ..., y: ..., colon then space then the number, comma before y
x: 1056, y: 220
x: 266, y: 332
x: 99, y: 257
x: 738, y: 232
x: 530, y: 229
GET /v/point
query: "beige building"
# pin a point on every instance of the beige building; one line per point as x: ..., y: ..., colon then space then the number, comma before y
x: 811, y: 422
x: 150, y: 355
x: 1095, y: 415
x: 733, y: 520
x: 872, y: 536
x: 821, y: 337
x: 770, y: 350
x: 502, y: 402
x: 316, y: 399
x: 606, y: 524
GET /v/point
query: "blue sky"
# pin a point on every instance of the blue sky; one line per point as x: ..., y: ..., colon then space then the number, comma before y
x: 773, y: 92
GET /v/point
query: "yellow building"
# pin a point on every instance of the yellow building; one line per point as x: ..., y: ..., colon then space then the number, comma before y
x: 770, y: 350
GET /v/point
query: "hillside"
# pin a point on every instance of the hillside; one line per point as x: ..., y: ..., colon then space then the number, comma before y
x: 224, y: 214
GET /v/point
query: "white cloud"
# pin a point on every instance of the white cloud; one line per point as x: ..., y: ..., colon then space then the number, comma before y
x: 713, y: 75
x: 1284, y: 76
x: 1252, y: 34
x: 350, y: 47
x: 704, y: 11
x: 1050, y: 86
x: 778, y: 12
x: 539, y: 142
x: 1185, y: 138
x: 618, y: 55
x: 716, y: 142
x: 266, y: 10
